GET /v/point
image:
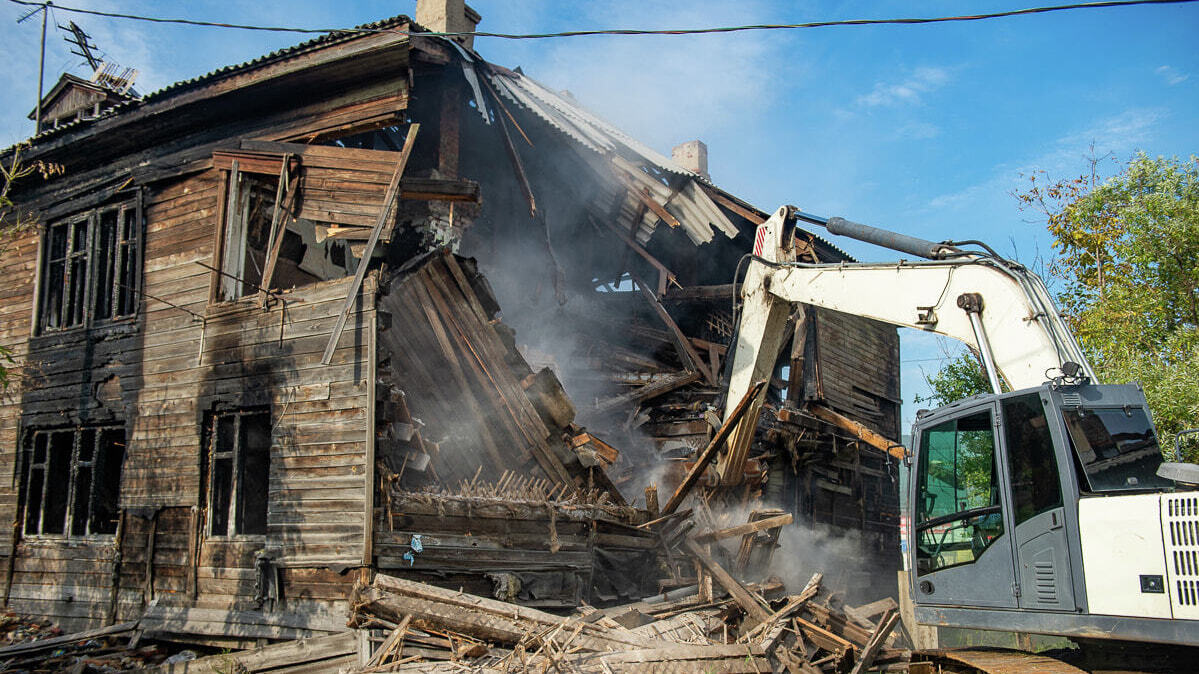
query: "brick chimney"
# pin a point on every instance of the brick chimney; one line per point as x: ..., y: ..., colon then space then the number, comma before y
x: 448, y: 16
x: 693, y: 156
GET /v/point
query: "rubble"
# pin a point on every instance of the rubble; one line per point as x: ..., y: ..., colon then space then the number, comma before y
x: 717, y: 624
x: 715, y: 620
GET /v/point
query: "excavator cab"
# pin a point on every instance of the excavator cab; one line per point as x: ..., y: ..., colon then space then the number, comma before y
x: 1012, y: 499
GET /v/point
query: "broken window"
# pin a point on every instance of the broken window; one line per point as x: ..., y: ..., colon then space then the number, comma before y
x: 91, y: 267
x: 85, y: 502
x: 237, y: 468
x: 307, y: 253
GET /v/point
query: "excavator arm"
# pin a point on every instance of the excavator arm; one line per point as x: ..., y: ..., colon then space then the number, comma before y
x: 997, y: 307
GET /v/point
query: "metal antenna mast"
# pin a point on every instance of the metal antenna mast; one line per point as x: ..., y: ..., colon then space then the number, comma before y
x: 41, y: 65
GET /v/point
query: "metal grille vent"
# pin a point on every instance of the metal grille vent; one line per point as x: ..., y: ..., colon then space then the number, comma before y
x: 1180, y: 522
x: 1071, y: 400
x: 1045, y: 582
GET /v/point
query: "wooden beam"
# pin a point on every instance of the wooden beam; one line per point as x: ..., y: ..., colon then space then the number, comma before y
x: 755, y: 614
x: 885, y: 625
x: 709, y: 453
x: 643, y: 195
x: 389, y: 201
x: 722, y: 293
x: 637, y: 248
x: 748, y: 528
x: 691, y: 358
x: 285, y: 199
x: 53, y: 642
x: 753, y: 216
x: 657, y: 388
x: 858, y: 430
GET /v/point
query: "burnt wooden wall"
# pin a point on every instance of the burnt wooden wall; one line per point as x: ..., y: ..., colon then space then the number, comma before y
x: 859, y: 369
x: 318, y: 481
x: 152, y: 374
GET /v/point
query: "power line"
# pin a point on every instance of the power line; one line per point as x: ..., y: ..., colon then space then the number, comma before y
x: 619, y: 31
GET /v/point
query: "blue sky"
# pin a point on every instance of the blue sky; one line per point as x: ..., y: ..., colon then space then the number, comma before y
x: 920, y: 129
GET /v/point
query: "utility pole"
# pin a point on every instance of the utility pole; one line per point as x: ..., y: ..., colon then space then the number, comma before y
x: 41, y: 65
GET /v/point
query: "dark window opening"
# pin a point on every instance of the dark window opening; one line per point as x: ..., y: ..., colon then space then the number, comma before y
x: 96, y: 256
x: 958, y: 514
x: 308, y: 253
x: 72, y: 481
x: 238, y: 467
x: 1036, y: 485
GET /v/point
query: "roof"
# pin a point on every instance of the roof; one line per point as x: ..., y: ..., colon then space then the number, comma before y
x: 225, y: 71
x: 690, y: 204
x: 632, y: 163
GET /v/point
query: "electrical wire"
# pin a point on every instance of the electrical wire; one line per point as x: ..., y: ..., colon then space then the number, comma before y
x: 620, y: 31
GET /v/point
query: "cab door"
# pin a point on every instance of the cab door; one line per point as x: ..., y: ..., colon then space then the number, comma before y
x: 962, y: 547
x: 1038, y: 512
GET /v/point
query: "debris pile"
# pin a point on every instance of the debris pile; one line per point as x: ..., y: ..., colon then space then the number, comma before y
x: 703, y: 619
x: 744, y: 628
x: 37, y: 645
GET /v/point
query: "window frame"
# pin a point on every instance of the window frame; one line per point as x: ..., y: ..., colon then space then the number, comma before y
x: 967, y: 517
x: 95, y: 465
x: 236, y: 456
x: 128, y: 246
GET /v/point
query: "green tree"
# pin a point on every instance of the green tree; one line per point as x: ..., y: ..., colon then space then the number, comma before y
x: 960, y: 378
x: 1128, y: 258
x: 1127, y: 262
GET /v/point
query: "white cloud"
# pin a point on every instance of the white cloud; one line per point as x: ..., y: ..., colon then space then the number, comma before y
x: 1171, y: 75
x: 910, y: 90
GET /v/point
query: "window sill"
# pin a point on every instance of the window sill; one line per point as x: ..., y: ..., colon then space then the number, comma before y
x: 45, y: 540
x: 116, y: 327
x: 237, y: 539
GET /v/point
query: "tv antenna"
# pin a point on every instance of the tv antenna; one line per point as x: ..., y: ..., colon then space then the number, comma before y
x: 105, y: 73
x: 82, y: 43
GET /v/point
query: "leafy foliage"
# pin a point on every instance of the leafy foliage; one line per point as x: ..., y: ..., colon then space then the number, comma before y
x: 1127, y: 259
x: 1128, y: 256
x: 960, y: 378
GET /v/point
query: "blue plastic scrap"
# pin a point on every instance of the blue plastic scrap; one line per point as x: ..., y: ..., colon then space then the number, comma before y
x: 416, y: 547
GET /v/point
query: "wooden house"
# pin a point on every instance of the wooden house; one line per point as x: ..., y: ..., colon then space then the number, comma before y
x: 373, y: 303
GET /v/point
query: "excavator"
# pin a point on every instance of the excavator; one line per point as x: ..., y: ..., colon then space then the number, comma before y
x: 1042, y: 507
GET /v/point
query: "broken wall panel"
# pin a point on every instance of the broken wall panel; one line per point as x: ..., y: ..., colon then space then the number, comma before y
x: 462, y: 381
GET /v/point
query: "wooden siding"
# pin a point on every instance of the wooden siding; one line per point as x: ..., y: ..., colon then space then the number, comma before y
x: 858, y: 369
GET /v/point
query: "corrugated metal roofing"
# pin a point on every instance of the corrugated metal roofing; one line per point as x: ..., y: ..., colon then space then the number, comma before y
x: 695, y: 211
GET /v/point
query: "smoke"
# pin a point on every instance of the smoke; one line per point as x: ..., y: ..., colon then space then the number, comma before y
x: 840, y: 555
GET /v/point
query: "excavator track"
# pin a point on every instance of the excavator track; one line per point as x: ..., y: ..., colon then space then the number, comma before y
x: 987, y: 661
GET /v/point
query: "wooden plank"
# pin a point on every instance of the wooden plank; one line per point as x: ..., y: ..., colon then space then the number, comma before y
x: 748, y: 528
x: 691, y: 359
x: 47, y: 644
x: 364, y: 262
x: 885, y: 625
x: 281, y: 210
x: 314, y: 649
x: 716, y: 195
x: 754, y: 612
x: 858, y: 430
x: 651, y: 390
x: 709, y: 453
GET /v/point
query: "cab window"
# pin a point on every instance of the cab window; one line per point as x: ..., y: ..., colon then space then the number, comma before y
x: 957, y: 508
